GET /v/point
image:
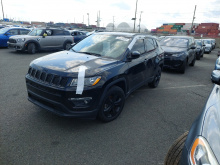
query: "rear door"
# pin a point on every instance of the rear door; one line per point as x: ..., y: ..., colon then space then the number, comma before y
x: 59, y: 37
x: 150, y: 57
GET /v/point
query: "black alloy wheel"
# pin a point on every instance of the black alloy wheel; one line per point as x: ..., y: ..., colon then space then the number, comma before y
x: 156, y: 80
x: 67, y: 46
x: 112, y: 105
x: 183, y: 67
x: 193, y: 62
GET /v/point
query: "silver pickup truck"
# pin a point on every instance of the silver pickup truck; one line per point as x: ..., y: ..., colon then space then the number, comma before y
x: 41, y: 39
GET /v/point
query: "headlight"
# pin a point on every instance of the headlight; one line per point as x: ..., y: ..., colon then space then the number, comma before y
x: 201, y: 153
x: 177, y: 54
x: 91, y: 81
x: 21, y: 40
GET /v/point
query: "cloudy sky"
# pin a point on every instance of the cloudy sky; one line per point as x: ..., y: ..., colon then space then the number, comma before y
x: 155, y: 12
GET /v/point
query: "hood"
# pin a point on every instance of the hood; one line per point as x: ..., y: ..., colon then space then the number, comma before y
x: 211, y: 124
x: 24, y: 36
x: 69, y: 62
x: 173, y: 49
x: 208, y: 45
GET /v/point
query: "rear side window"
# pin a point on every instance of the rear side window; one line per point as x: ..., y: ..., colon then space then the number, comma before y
x: 13, y: 32
x: 150, y: 44
x: 23, y: 32
x: 58, y: 32
x: 139, y: 46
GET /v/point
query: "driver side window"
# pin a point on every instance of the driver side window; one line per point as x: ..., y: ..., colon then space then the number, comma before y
x: 139, y: 46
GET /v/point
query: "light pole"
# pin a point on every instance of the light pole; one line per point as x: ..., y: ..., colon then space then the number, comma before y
x: 88, y: 18
x: 113, y: 23
x: 2, y: 10
x: 135, y: 16
x: 140, y: 22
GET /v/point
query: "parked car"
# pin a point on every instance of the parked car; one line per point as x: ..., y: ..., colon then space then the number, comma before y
x: 213, y: 43
x: 201, y: 145
x: 200, y: 48
x: 5, y: 33
x: 217, y: 64
x: 179, y: 51
x: 208, y: 45
x: 41, y: 39
x: 94, y: 77
x: 78, y: 35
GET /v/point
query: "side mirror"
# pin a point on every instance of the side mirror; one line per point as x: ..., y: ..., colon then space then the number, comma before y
x: 203, y: 45
x: 215, y: 77
x: 135, y: 54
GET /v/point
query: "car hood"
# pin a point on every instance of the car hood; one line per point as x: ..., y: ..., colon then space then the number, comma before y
x: 168, y: 49
x: 208, y: 45
x: 69, y: 62
x: 211, y: 124
x: 24, y: 36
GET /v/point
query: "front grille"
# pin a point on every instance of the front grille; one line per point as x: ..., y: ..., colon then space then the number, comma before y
x: 167, y: 54
x: 12, y: 40
x: 48, y: 78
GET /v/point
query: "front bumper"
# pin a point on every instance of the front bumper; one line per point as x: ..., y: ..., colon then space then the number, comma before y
x: 16, y: 46
x: 60, y: 100
x: 173, y: 62
x: 208, y: 49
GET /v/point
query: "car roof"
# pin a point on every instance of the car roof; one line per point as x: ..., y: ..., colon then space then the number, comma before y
x: 16, y: 28
x: 186, y: 37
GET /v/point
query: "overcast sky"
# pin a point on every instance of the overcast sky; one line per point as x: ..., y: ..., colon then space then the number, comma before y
x: 155, y: 12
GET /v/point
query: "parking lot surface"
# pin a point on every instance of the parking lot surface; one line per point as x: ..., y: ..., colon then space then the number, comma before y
x: 149, y: 123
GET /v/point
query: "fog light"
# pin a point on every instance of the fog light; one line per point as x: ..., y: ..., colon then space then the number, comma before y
x: 81, y: 101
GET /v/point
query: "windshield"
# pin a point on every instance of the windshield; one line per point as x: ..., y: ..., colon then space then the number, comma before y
x: 198, y: 43
x: 174, y: 42
x: 2, y: 31
x: 112, y: 46
x: 35, y: 32
x: 207, y: 41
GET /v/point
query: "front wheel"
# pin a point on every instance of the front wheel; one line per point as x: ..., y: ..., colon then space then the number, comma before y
x: 112, y: 104
x: 31, y: 48
x: 174, y: 154
x: 193, y: 62
x: 156, y: 80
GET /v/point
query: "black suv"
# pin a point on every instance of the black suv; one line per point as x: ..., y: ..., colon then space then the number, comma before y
x: 179, y: 51
x: 95, y: 76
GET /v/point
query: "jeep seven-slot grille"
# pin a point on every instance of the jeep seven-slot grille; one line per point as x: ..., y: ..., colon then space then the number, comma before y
x: 48, y: 78
x: 12, y: 40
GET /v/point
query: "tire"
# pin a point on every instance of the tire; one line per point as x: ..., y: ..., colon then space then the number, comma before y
x: 31, y: 48
x: 156, y: 80
x: 198, y: 57
x: 112, y: 104
x: 193, y: 62
x: 183, y: 67
x: 67, y: 46
x: 174, y: 153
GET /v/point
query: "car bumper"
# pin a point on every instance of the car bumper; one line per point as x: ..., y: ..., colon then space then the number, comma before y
x: 15, y: 46
x: 173, y: 63
x: 208, y: 50
x: 64, y: 101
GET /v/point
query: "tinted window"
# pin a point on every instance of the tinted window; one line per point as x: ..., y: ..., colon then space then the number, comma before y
x: 139, y: 46
x: 58, y: 32
x: 149, y: 44
x: 23, y: 32
x: 36, y: 32
x: 13, y: 32
x: 174, y: 42
x: 49, y: 32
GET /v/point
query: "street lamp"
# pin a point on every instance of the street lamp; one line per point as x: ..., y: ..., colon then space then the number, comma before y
x: 2, y: 10
x: 135, y: 16
x: 88, y: 18
x: 140, y: 22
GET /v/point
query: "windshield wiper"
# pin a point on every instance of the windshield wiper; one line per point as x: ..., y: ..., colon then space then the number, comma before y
x: 95, y: 54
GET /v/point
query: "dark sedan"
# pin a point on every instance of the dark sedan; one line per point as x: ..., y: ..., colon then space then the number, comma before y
x: 201, y: 145
x: 178, y: 52
x: 200, y: 48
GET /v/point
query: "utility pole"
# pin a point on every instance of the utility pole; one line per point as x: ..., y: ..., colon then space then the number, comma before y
x: 83, y: 19
x: 193, y: 20
x: 140, y: 23
x: 2, y: 11
x: 135, y: 16
x: 88, y: 18
x: 113, y: 23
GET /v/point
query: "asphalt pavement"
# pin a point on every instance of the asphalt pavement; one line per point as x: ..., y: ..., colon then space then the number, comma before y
x: 149, y: 123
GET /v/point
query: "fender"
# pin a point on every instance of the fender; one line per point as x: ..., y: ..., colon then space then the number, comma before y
x: 32, y: 41
x: 108, y: 86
